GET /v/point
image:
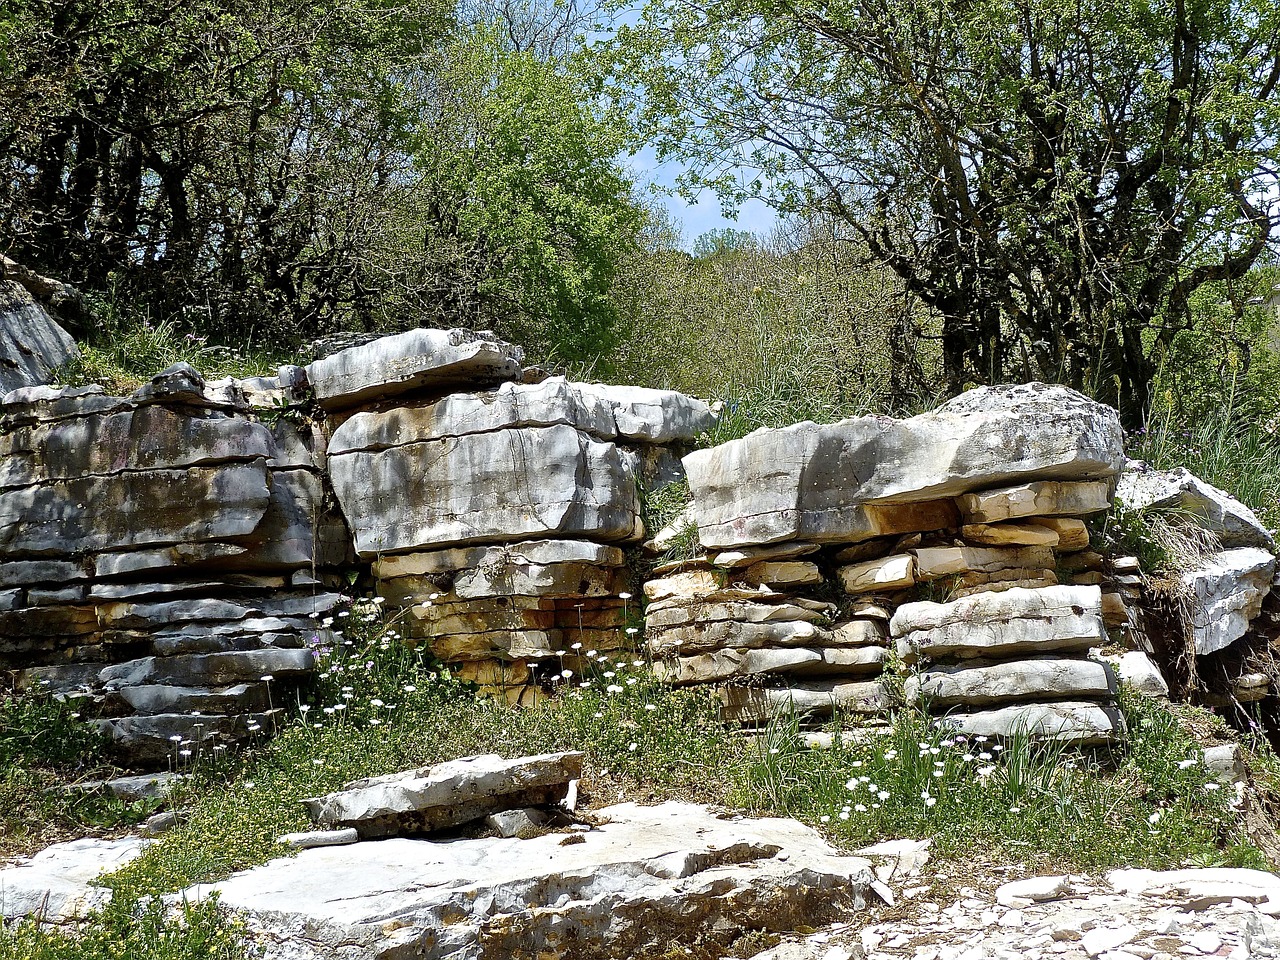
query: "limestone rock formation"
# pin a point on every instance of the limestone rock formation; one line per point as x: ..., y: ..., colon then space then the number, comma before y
x: 645, y: 878
x: 1142, y: 488
x: 140, y: 535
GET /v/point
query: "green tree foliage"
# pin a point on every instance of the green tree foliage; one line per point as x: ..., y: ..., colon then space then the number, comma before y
x: 1056, y: 181
x: 276, y: 168
x: 800, y: 325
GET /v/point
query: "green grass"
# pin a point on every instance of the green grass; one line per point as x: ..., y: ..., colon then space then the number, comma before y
x: 126, y: 349
x: 1151, y: 804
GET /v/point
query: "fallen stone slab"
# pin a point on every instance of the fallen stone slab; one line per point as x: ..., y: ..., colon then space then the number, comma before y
x: 446, y: 795
x: 1225, y: 593
x: 310, y: 839
x: 417, y: 360
x: 1023, y: 893
x: 146, y: 786
x: 1180, y: 490
x: 56, y: 885
x: 1072, y: 723
x: 645, y: 879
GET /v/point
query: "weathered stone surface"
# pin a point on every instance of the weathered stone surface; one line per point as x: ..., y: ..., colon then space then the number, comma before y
x: 1071, y: 722
x: 153, y: 698
x: 935, y: 562
x: 1201, y: 887
x: 860, y: 633
x: 983, y: 684
x: 747, y: 556
x: 417, y: 360
x: 1136, y: 669
x: 645, y: 879
x: 525, y: 823
x: 446, y: 795
x: 554, y: 402
x: 820, y: 483
x: 727, y: 664
x: 56, y: 884
x: 147, y: 438
x: 1009, y: 534
x: 811, y: 698
x: 1016, y: 621
x: 155, y: 507
x: 32, y: 345
x: 891, y: 573
x: 1142, y: 488
x: 147, y: 786
x: 158, y: 615
x: 1225, y: 594
x: 686, y: 585
x: 1072, y: 534
x: 207, y: 670
x: 736, y: 611
x: 529, y: 552
x: 311, y: 839
x: 156, y: 740
x: 700, y: 637
x: 653, y: 416
x: 791, y: 573
x: 27, y: 572
x: 133, y: 562
x: 526, y: 483
x: 1041, y: 498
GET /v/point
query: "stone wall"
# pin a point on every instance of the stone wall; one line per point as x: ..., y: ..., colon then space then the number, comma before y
x: 947, y: 533
x: 173, y: 557
x: 163, y: 556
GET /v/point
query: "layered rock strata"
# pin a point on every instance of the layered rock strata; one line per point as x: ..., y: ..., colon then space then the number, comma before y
x: 496, y: 517
x: 814, y: 538
x: 163, y: 555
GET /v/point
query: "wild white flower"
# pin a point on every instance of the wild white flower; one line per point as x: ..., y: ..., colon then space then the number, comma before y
x: 632, y: 631
x: 375, y: 722
x: 637, y: 663
x: 650, y: 706
x: 624, y: 596
x: 851, y: 784
x: 566, y: 674
x: 376, y: 702
x: 1154, y: 818
x: 598, y: 715
x: 891, y: 754
x: 883, y: 795
x: 176, y: 738
x: 1211, y: 787
x: 316, y: 761
x: 824, y: 818
x: 860, y: 807
x: 844, y: 814
x: 632, y: 681
x: 968, y: 758
x: 856, y: 764
x: 184, y: 753
x: 984, y: 755
x: 576, y: 646
x: 305, y: 708
x: 930, y: 801
x: 1184, y: 764
x: 633, y: 746
x: 409, y: 688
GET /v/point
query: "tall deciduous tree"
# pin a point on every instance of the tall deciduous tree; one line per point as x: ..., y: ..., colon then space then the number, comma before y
x: 1055, y: 179
x: 285, y: 167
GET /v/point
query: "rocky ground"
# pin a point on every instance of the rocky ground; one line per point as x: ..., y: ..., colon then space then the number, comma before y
x: 1127, y: 915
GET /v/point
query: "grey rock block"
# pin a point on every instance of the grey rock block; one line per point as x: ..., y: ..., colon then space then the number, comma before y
x: 1073, y: 723
x: 1142, y: 488
x: 56, y: 885
x: 446, y: 795
x: 825, y: 483
x: 417, y: 360
x: 1225, y: 593
x: 520, y: 484
x: 32, y: 345
x: 646, y: 878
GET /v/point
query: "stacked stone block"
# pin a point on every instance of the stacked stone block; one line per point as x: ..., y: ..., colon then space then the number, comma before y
x: 161, y: 554
x: 980, y: 499
x: 495, y: 512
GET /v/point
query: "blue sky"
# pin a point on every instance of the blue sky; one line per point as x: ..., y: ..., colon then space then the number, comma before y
x: 703, y: 215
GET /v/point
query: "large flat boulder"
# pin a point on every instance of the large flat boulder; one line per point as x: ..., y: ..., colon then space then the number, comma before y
x: 984, y: 684
x: 436, y: 360
x: 645, y: 880
x: 446, y: 795
x: 646, y: 415
x: 524, y: 483
x: 824, y: 483
x: 1072, y: 723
